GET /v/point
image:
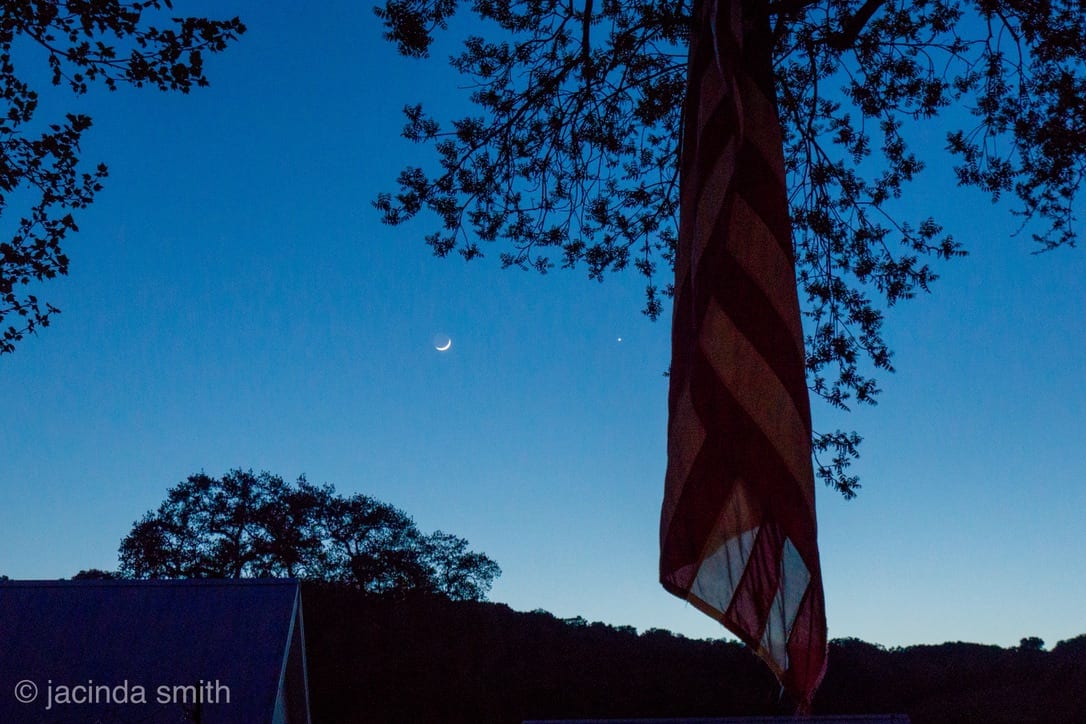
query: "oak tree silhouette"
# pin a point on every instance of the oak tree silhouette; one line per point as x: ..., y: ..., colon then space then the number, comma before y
x: 81, y: 43
x: 570, y: 157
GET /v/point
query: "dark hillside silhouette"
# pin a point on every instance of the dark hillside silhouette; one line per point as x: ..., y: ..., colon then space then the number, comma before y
x: 430, y: 659
x: 423, y: 659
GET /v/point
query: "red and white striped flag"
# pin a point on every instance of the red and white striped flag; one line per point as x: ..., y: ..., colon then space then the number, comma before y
x: 738, y: 532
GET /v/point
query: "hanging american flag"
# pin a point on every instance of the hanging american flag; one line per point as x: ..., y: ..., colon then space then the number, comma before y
x: 738, y: 533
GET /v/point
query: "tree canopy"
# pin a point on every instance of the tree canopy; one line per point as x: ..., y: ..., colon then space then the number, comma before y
x: 82, y: 43
x: 571, y: 155
x: 258, y: 525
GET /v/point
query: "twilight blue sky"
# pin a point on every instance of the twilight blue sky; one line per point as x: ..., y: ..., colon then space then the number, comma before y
x: 235, y: 302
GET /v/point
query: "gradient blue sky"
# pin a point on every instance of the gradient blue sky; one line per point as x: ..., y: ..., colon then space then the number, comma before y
x: 235, y: 302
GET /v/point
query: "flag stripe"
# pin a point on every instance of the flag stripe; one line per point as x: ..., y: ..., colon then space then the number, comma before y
x: 686, y: 437
x: 754, y: 316
x: 807, y: 640
x: 786, y: 604
x: 749, y: 608
x: 726, y: 563
x: 762, y: 259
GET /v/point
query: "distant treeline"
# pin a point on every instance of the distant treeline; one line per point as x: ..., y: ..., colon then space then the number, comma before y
x: 429, y: 659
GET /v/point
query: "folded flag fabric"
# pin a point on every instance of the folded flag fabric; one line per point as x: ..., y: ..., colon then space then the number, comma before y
x: 738, y: 530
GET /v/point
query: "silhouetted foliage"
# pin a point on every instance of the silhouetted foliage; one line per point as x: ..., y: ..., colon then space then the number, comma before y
x: 95, y: 574
x: 426, y: 659
x: 571, y: 155
x: 1031, y: 643
x: 253, y: 525
x: 108, y: 42
x: 1073, y: 647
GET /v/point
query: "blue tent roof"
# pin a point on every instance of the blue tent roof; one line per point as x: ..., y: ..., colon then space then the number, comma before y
x: 150, y: 651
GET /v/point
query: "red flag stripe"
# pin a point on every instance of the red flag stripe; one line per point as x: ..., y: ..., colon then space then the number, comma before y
x: 749, y: 607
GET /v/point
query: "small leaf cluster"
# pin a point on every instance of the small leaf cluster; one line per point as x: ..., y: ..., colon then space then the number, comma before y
x: 84, y: 42
x: 257, y: 525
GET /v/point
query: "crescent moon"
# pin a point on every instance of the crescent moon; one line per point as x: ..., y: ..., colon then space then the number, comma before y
x: 445, y: 346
